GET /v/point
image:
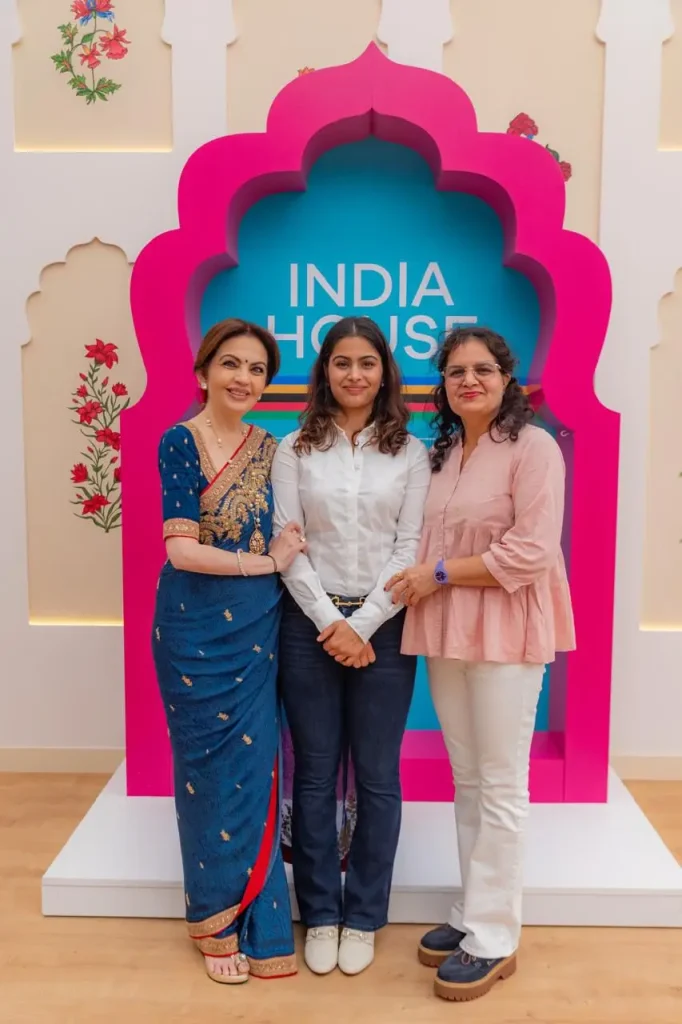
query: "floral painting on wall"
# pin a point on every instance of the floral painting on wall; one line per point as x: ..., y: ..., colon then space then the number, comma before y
x: 524, y: 126
x: 98, y: 404
x: 93, y: 36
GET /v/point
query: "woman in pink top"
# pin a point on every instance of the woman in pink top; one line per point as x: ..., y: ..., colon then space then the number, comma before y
x: 488, y: 605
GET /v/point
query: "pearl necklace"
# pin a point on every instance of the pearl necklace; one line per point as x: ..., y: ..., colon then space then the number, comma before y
x: 219, y: 440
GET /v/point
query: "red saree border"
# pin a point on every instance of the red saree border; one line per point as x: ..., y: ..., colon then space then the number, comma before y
x: 259, y: 872
x: 236, y: 463
x: 203, y: 932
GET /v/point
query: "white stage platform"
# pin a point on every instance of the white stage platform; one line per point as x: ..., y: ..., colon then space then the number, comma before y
x: 587, y: 864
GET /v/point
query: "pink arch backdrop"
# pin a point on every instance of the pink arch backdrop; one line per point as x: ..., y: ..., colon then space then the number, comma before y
x: 432, y: 115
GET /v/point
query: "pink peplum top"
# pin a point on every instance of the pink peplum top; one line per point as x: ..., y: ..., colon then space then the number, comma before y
x: 506, y: 505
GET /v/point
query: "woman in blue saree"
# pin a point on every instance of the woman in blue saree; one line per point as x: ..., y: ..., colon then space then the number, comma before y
x: 215, y: 638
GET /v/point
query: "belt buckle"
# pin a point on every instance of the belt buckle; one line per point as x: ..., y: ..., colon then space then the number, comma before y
x: 339, y: 602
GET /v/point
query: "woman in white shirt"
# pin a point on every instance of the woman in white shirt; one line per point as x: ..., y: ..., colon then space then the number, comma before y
x: 357, y: 481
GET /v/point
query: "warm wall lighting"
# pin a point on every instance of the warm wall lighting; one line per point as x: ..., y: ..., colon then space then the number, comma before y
x: 75, y: 622
x: 79, y: 149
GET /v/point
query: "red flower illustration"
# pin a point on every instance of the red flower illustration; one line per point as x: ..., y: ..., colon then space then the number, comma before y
x: 102, y: 353
x: 79, y: 473
x: 522, y: 124
x: 112, y: 43
x: 113, y: 461
x: 110, y: 437
x: 117, y: 475
x: 89, y: 412
x: 120, y: 389
x: 105, y: 382
x: 82, y: 376
x: 90, y: 56
x: 566, y: 169
x: 94, y: 504
x: 82, y: 391
x: 305, y: 71
x: 86, y: 8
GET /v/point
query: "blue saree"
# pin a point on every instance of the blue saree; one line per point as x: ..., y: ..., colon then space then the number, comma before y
x: 215, y: 644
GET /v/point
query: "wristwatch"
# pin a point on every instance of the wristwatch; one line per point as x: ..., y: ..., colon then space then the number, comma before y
x: 440, y: 573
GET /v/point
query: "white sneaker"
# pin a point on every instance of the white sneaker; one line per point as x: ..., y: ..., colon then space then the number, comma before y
x: 356, y: 951
x: 322, y: 949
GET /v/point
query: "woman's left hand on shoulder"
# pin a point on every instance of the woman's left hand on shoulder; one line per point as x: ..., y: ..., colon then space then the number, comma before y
x: 409, y: 586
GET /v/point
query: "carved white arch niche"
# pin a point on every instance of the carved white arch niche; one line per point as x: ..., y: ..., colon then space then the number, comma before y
x: 521, y: 58
x: 50, y: 116
x: 276, y: 41
x: 671, y: 84
x: 641, y: 235
x: 662, y: 584
x: 415, y: 31
x: 74, y: 565
x: 50, y: 668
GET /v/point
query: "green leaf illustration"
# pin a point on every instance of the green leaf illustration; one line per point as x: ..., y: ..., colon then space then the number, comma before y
x: 68, y: 33
x: 554, y: 153
x: 105, y: 87
x: 78, y: 82
x: 62, y: 62
x: 87, y: 38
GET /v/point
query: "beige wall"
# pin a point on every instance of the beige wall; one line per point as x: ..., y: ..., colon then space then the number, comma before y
x: 662, y: 593
x: 533, y: 56
x: 276, y: 39
x: 662, y: 596
x: 74, y: 566
x: 671, y: 100
x: 49, y: 114
x: 543, y: 59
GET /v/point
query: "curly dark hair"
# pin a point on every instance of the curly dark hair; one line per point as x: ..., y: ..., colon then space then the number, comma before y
x: 389, y: 414
x: 515, y: 411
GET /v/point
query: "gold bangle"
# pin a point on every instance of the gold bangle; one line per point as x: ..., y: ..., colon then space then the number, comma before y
x: 239, y: 562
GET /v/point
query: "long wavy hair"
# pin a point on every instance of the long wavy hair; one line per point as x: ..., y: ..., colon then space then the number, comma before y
x: 389, y: 413
x: 515, y: 411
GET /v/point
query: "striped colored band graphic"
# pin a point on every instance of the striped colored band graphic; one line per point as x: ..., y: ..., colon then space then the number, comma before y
x: 289, y: 394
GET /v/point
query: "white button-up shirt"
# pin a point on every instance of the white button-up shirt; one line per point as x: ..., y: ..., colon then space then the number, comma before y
x: 362, y: 514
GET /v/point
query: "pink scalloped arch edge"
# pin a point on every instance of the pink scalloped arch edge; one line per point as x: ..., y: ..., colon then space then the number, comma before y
x: 429, y: 113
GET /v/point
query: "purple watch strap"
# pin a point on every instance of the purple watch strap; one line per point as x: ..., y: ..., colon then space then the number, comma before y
x: 440, y: 573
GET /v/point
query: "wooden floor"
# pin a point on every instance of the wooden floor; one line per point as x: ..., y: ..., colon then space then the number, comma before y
x: 86, y: 971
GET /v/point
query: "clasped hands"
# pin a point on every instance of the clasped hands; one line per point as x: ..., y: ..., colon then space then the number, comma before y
x: 344, y: 645
x: 408, y: 586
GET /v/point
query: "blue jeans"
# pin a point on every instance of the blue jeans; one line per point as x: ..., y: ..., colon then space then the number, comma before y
x: 328, y: 706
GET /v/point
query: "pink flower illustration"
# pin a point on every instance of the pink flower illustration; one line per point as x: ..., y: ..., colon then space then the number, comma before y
x: 112, y: 43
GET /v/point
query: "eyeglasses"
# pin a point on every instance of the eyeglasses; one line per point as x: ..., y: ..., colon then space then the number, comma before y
x: 481, y: 371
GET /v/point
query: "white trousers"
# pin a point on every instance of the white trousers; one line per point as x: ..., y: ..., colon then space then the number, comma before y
x: 487, y: 713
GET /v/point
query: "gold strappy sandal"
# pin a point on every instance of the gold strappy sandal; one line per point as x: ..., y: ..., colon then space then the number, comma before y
x: 229, y: 979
